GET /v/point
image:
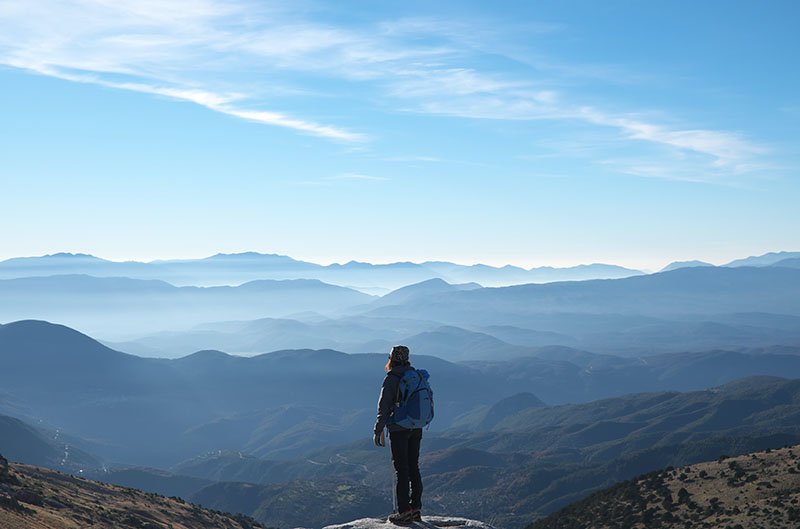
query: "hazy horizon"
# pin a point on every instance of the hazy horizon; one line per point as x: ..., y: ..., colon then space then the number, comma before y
x: 575, y: 149
x: 327, y: 262
x: 533, y: 134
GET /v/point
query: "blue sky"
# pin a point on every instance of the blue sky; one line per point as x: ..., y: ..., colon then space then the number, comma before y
x: 531, y: 133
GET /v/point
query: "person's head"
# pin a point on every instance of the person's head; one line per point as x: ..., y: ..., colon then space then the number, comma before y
x: 398, y: 357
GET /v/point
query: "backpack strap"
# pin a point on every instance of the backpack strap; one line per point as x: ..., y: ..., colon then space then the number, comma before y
x: 397, y: 394
x: 399, y: 378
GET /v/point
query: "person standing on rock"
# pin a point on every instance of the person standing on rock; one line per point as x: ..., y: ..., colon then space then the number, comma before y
x: 405, y: 406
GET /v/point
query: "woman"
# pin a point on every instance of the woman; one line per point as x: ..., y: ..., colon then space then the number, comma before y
x: 404, y: 441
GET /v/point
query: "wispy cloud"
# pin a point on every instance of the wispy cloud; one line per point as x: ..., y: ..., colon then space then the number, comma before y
x: 358, y: 176
x: 725, y: 148
x: 276, y: 118
x: 342, y: 177
x: 230, y: 55
x: 413, y: 159
x: 159, y: 48
x: 218, y: 102
x: 722, y: 150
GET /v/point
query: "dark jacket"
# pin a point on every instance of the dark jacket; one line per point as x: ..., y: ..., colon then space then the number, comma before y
x: 388, y: 398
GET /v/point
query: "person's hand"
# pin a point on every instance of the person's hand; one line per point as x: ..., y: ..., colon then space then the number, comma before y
x: 379, y: 439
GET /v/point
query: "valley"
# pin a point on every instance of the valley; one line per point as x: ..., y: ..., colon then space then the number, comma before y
x: 535, y: 407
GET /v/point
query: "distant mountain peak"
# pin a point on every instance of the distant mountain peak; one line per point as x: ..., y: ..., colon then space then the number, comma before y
x: 424, y: 285
x: 41, y: 329
x: 249, y: 255
x: 789, y: 262
x: 763, y: 260
x: 73, y: 255
x: 205, y: 355
x: 508, y: 407
x: 34, y: 333
x: 587, y: 267
x: 58, y: 256
x: 684, y: 264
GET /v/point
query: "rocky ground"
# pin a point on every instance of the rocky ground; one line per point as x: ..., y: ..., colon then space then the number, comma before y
x: 752, y: 491
x: 37, y: 498
x: 428, y: 522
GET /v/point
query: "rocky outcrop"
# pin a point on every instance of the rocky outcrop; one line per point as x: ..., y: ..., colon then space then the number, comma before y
x: 3, y: 469
x: 428, y: 522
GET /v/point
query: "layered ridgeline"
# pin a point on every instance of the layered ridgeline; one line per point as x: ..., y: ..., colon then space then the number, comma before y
x: 519, y: 431
x: 685, y: 309
x: 233, y: 269
x: 610, y: 334
x: 278, y: 405
x: 534, y: 461
x: 508, y: 462
x: 750, y: 491
x: 122, y: 306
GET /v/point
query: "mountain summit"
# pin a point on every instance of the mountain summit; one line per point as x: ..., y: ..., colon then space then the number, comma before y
x: 684, y: 264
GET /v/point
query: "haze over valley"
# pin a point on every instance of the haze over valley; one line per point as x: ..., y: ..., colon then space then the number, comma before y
x: 219, y: 219
x: 274, y: 380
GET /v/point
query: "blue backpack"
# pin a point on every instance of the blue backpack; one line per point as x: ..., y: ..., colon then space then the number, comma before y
x: 414, y: 403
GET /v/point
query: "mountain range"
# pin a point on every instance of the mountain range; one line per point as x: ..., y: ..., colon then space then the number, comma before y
x: 519, y: 471
x: 544, y: 393
x: 158, y: 412
x: 234, y: 269
x: 685, y: 309
x: 616, y: 334
x: 236, y: 433
x: 117, y: 305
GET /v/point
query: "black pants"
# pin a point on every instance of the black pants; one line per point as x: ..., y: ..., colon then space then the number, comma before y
x: 405, y: 454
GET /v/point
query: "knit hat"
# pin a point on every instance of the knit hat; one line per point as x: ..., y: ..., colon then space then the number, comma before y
x: 399, y: 354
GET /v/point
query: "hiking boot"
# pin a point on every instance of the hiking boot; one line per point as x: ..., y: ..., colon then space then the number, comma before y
x: 402, y: 518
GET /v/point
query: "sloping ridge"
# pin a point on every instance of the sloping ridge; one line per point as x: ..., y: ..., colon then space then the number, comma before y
x: 752, y: 490
x: 694, y: 290
x: 33, y: 497
x: 23, y: 442
x: 51, y: 342
x: 423, y: 288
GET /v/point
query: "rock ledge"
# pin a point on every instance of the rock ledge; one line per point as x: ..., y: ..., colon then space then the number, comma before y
x: 428, y: 522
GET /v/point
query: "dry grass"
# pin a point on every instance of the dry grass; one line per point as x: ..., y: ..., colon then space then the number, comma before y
x: 752, y: 491
x: 61, y: 501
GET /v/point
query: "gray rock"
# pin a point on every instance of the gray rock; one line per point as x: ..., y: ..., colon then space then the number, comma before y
x: 50, y: 502
x: 428, y: 522
x: 29, y: 497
